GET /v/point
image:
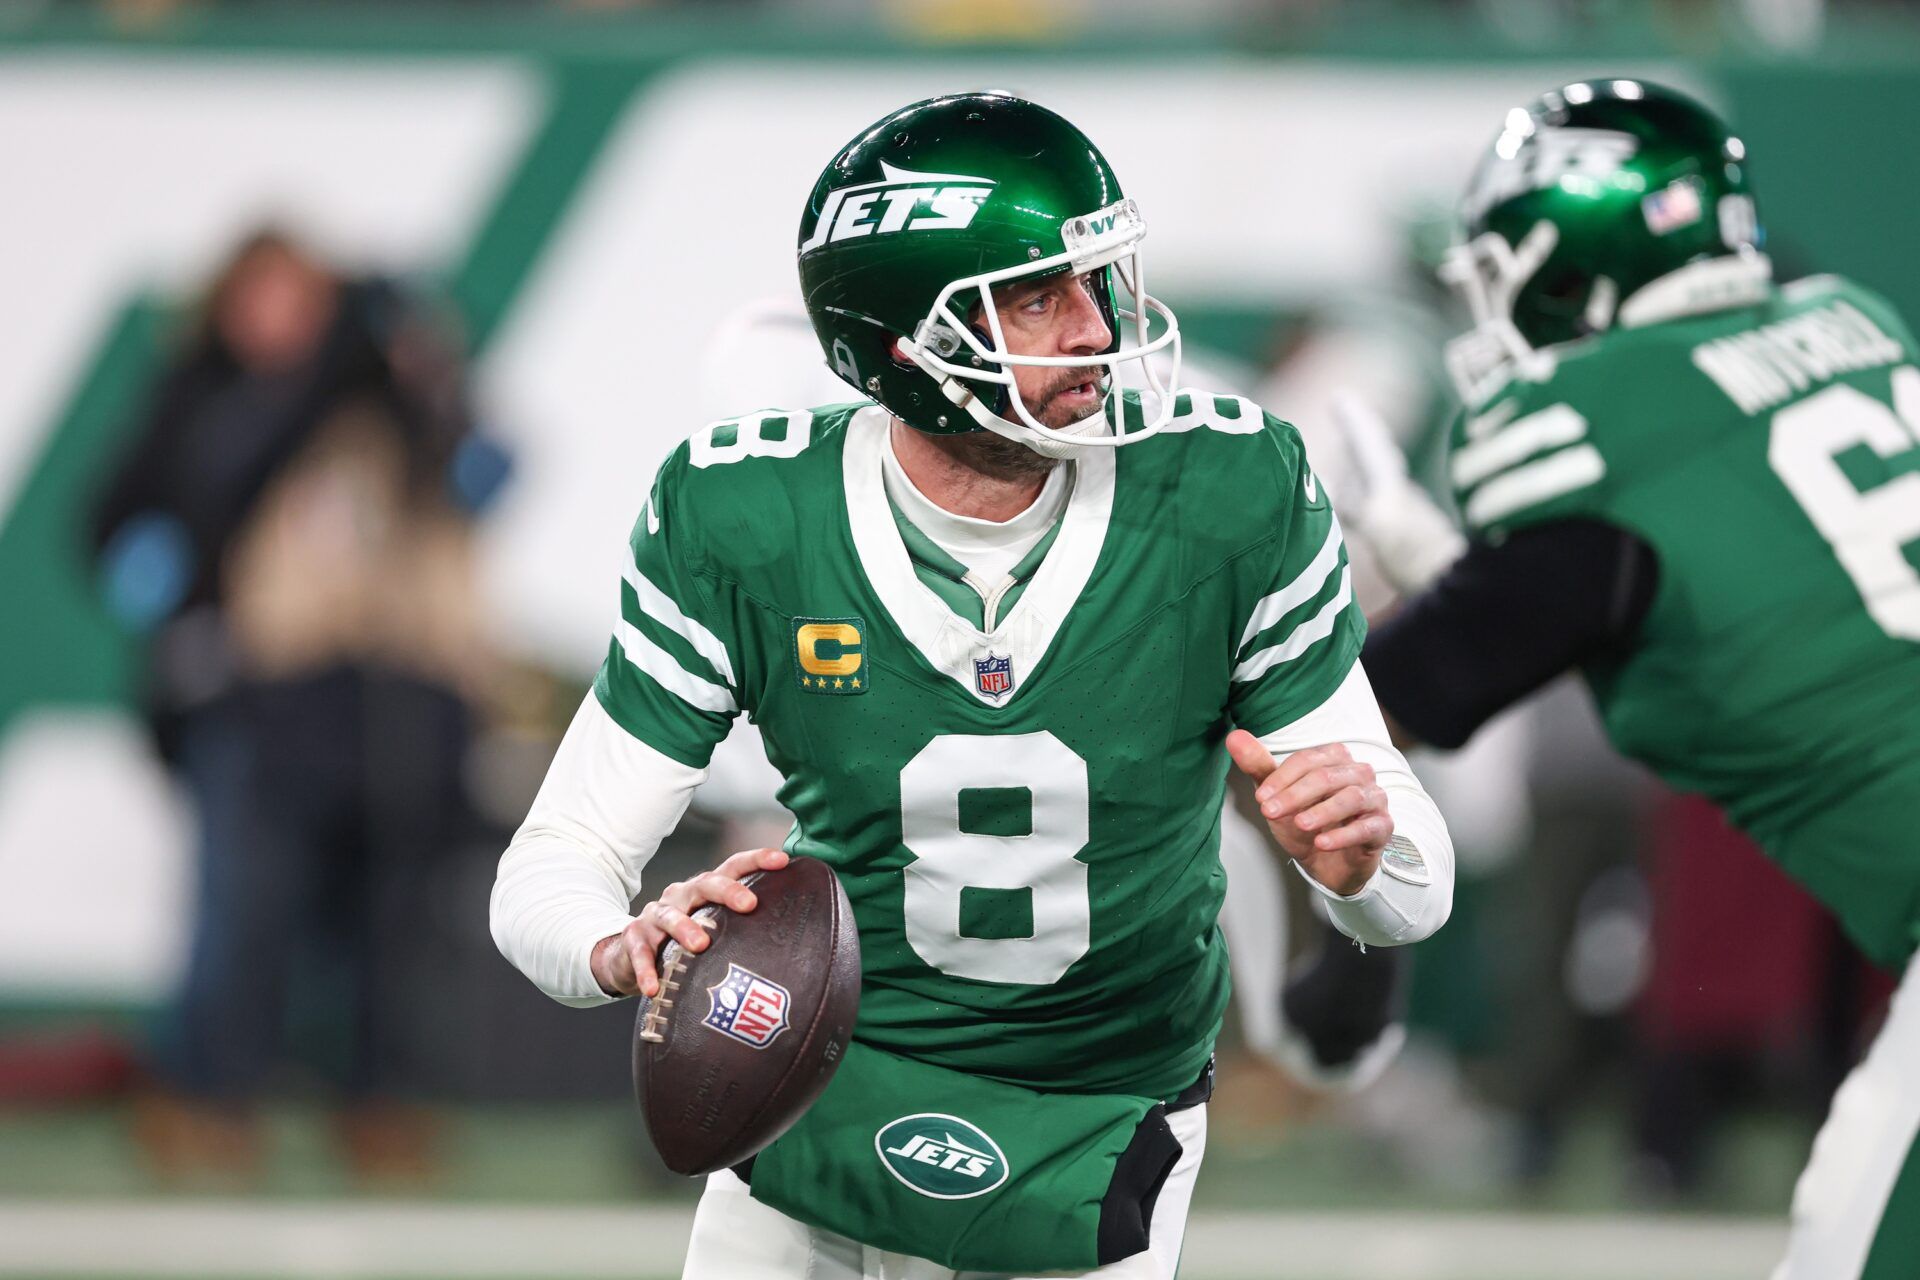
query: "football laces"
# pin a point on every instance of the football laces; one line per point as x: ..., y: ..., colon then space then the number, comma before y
x: 654, y: 1027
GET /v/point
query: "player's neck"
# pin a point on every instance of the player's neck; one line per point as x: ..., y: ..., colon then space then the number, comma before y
x: 980, y: 475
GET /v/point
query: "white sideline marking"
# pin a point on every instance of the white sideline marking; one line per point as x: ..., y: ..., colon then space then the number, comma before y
x: 1479, y: 1246
x: 336, y: 1240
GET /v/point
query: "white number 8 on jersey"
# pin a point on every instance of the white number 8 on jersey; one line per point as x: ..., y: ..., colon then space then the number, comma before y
x: 948, y: 859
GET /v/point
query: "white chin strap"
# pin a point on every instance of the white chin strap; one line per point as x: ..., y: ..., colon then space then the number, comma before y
x: 946, y: 347
x: 1051, y: 442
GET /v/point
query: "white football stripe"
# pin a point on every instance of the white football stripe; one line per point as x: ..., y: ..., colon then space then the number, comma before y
x: 1522, y: 487
x: 656, y: 604
x: 1303, y: 588
x: 1302, y: 637
x: 1556, y: 425
x: 670, y: 675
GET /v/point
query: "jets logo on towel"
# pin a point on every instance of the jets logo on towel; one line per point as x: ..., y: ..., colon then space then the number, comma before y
x: 941, y: 1156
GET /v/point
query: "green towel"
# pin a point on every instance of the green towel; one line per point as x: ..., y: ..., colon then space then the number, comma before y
x: 973, y: 1174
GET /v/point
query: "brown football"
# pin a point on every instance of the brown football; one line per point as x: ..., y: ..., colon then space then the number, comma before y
x: 744, y: 1035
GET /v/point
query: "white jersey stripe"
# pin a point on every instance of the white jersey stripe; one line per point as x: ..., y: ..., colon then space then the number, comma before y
x: 1550, y: 427
x: 656, y: 604
x: 1303, y: 588
x: 1522, y: 487
x: 1302, y: 637
x: 670, y: 675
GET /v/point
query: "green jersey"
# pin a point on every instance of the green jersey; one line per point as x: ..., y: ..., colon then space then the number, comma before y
x: 1768, y: 455
x: 1022, y: 800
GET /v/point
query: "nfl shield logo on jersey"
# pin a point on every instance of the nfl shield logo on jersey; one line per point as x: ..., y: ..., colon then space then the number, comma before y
x: 747, y: 1007
x: 993, y: 675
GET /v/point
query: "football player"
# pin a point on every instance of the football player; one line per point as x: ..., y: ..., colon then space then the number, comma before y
x: 1332, y: 1022
x: 1696, y: 487
x: 1002, y: 631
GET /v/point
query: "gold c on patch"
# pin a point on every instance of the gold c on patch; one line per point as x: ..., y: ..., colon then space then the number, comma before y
x: 830, y: 655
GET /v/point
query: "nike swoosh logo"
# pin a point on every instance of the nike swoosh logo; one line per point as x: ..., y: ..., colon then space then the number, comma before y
x: 1313, y: 490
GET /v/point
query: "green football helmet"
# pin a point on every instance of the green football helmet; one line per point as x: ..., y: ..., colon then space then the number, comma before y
x: 920, y: 217
x: 1606, y: 203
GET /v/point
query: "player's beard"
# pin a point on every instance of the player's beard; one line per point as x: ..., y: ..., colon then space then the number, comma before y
x: 1004, y: 458
x: 998, y: 457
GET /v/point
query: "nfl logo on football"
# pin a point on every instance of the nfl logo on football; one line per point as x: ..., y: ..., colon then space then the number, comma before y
x: 993, y: 675
x: 747, y: 1007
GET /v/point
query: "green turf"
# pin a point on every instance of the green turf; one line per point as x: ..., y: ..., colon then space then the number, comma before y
x: 596, y: 1153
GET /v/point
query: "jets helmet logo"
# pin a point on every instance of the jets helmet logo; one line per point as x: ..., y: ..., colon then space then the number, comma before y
x: 940, y: 1156
x: 902, y: 200
x: 1528, y: 157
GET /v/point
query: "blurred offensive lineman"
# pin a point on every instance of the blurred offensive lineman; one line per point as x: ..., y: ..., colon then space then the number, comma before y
x: 1331, y: 1019
x: 1697, y: 487
x: 996, y: 659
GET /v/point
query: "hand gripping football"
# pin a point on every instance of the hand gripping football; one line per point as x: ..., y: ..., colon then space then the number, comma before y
x: 744, y: 1035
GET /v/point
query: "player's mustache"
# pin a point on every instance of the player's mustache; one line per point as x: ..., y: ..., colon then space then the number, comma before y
x: 1069, y: 379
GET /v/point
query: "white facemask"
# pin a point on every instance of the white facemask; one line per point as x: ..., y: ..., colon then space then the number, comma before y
x: 947, y: 348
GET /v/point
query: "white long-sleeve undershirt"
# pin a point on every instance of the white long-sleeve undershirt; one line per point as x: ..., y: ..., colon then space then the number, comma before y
x: 570, y: 874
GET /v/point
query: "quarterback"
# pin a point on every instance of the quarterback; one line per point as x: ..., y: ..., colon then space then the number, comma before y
x: 1004, y: 627
x: 1697, y: 487
x: 1331, y: 1021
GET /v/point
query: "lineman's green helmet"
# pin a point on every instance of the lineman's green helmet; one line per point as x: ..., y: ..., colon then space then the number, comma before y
x: 1608, y: 202
x: 920, y: 216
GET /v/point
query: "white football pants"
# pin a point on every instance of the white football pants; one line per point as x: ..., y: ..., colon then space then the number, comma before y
x: 1867, y: 1140
x: 735, y: 1237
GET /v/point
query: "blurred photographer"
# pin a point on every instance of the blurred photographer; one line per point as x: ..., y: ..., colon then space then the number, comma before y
x: 289, y: 532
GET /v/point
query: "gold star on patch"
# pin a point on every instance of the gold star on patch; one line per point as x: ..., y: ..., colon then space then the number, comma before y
x: 838, y: 683
x: 856, y: 682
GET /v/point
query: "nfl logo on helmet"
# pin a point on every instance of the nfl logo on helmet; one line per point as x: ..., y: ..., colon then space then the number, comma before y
x: 747, y: 1007
x: 993, y: 675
